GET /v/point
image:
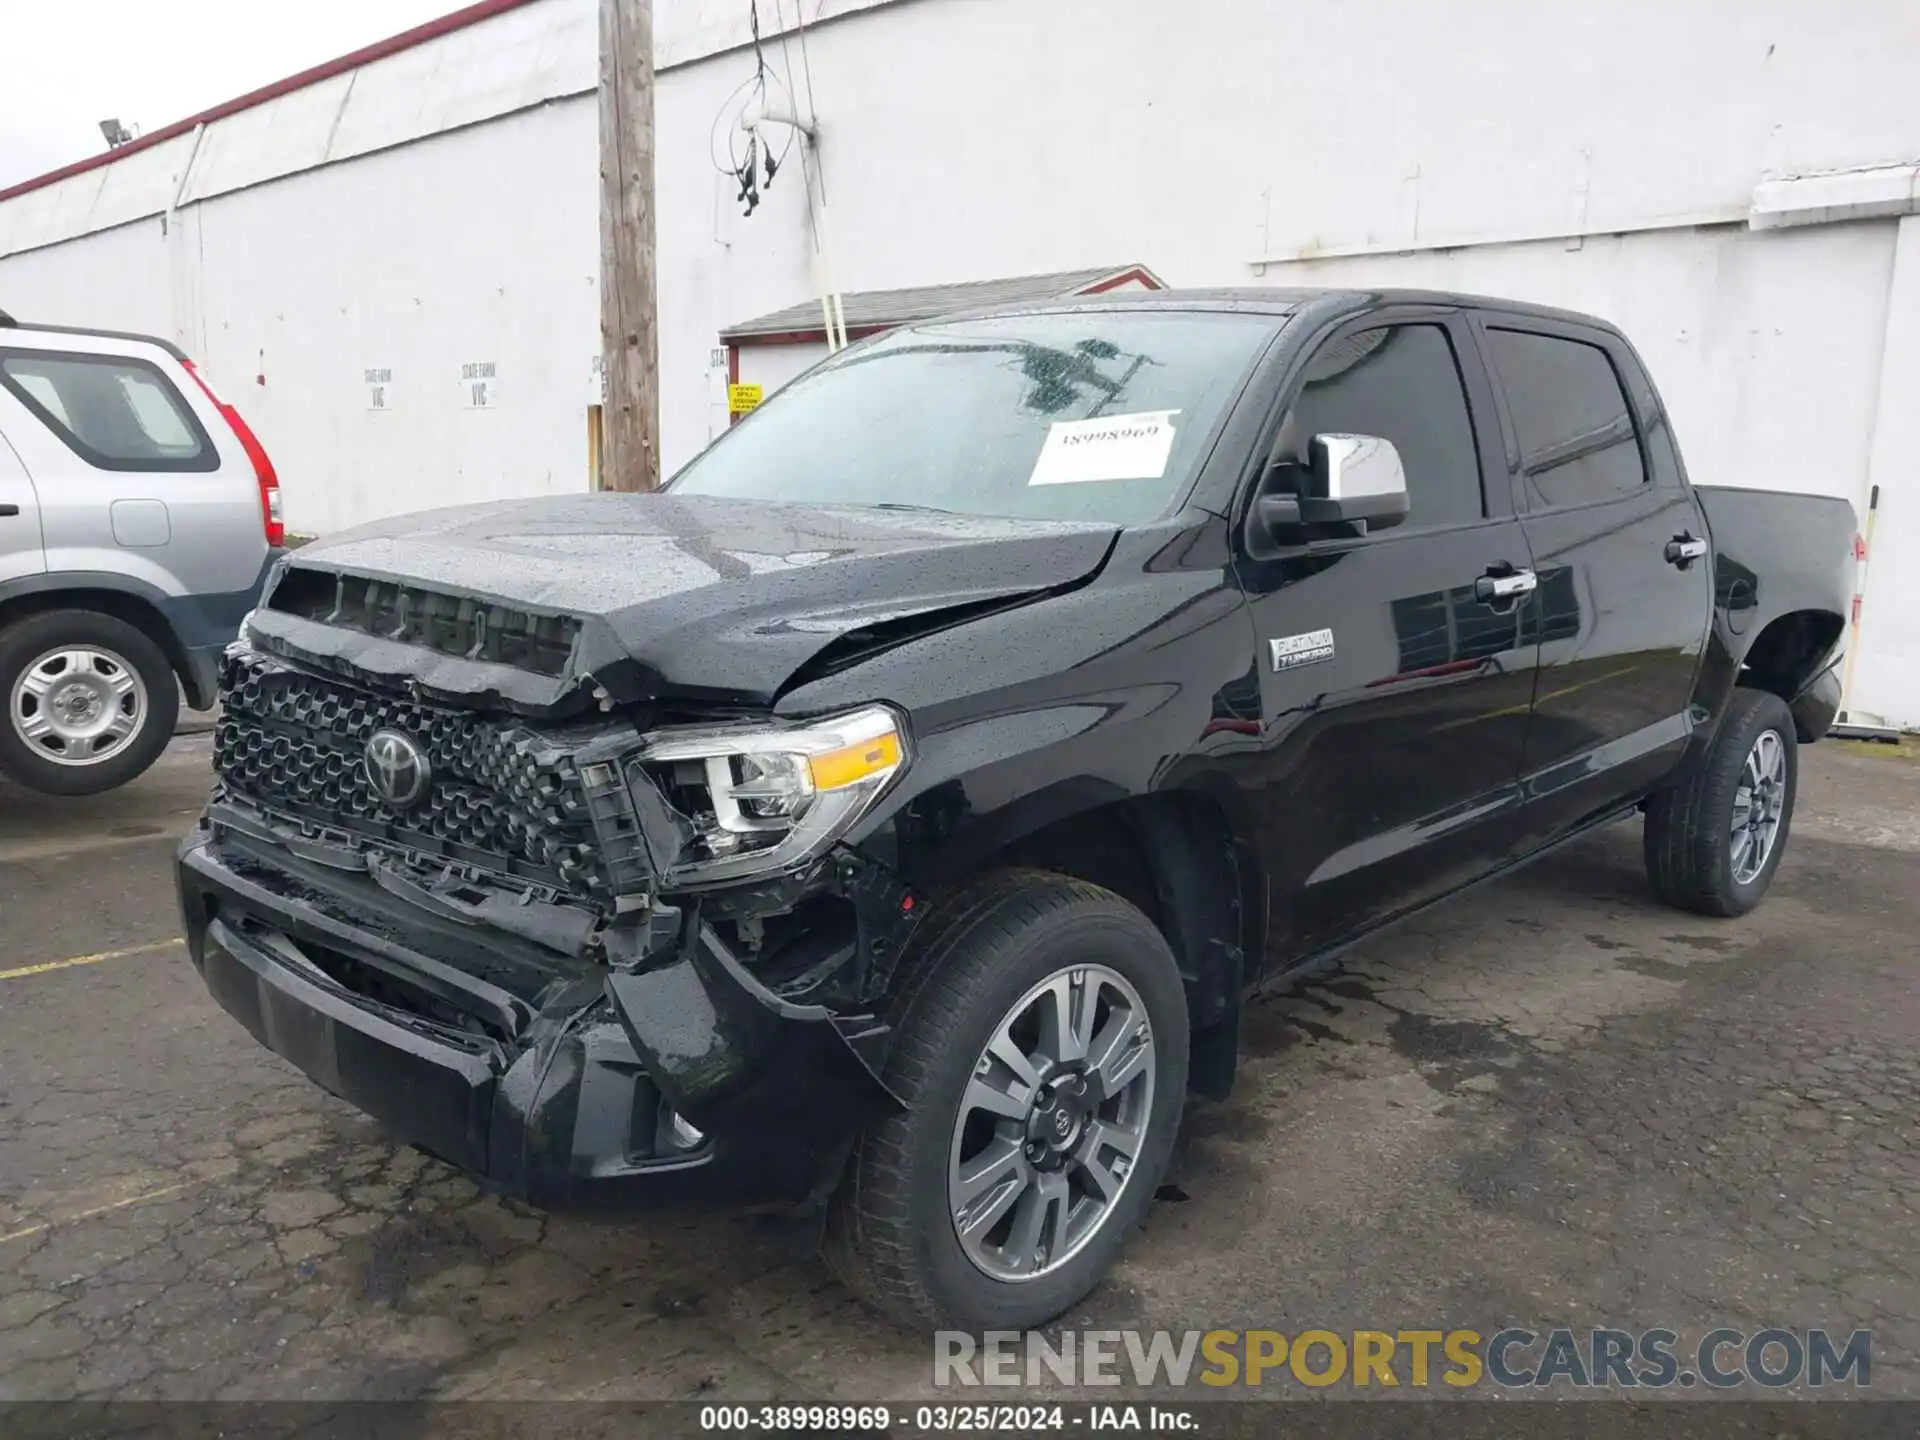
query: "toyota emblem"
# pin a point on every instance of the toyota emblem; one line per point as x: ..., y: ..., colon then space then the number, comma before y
x: 396, y: 768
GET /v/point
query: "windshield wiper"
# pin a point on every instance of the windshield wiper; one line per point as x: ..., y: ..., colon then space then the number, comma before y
x: 923, y: 509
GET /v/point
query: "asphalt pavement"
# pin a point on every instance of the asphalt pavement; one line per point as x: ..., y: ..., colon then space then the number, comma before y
x: 1548, y: 1102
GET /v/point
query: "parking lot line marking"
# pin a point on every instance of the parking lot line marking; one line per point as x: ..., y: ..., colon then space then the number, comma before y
x: 71, y: 961
x: 111, y: 1205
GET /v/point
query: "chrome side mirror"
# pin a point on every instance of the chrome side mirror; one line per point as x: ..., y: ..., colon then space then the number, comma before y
x: 1350, y: 485
x: 1354, y: 477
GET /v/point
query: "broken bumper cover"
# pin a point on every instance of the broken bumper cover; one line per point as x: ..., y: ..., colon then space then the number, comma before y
x: 577, y: 1110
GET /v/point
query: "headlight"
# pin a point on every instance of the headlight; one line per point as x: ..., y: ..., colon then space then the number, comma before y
x: 764, y: 799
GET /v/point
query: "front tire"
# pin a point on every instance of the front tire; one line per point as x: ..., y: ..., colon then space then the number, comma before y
x: 90, y: 702
x: 1714, y: 841
x: 1042, y: 1056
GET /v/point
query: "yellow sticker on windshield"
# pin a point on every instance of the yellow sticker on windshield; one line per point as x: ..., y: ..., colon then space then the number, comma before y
x: 1111, y: 447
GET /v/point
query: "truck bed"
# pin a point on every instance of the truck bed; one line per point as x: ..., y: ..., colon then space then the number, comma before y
x: 1775, y: 552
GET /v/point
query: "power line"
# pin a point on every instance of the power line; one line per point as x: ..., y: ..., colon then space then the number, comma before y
x: 786, y: 59
x: 806, y: 67
x: 745, y: 170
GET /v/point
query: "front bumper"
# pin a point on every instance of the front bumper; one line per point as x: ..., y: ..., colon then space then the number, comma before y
x: 565, y: 1098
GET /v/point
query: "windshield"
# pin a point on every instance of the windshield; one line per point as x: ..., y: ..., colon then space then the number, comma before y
x: 1086, y: 416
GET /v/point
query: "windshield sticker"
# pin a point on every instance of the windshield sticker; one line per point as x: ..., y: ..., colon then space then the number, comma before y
x: 1113, y: 447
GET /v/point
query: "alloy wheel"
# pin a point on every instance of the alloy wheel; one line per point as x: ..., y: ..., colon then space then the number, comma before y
x: 1052, y: 1123
x: 1759, y: 803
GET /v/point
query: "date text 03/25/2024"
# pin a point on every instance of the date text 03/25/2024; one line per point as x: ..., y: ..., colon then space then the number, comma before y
x: 944, y: 1419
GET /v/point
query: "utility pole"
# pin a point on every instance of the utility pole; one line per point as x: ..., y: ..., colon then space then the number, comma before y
x: 629, y: 336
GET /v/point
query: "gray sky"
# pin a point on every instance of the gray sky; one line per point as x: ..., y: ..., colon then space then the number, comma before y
x: 66, y: 67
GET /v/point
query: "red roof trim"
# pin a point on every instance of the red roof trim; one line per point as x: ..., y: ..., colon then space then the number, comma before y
x: 1138, y: 273
x: 379, y: 50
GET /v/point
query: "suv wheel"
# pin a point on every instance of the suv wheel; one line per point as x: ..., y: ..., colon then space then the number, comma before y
x: 1042, y: 1056
x: 90, y: 702
x: 1714, y: 840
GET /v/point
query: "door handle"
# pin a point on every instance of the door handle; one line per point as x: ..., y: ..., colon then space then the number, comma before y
x: 1683, y: 549
x: 8, y: 510
x: 1507, y: 585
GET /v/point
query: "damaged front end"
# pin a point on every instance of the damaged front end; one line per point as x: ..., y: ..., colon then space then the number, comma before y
x: 592, y: 963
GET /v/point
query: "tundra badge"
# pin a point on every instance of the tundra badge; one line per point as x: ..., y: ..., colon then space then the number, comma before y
x: 1290, y: 651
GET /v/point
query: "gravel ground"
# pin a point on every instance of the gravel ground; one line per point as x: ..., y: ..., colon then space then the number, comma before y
x: 1548, y: 1102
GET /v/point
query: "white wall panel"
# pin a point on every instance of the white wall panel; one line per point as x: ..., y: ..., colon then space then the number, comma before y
x: 1887, y: 672
x: 480, y: 246
x: 140, y: 185
x: 281, y: 137
x: 116, y: 280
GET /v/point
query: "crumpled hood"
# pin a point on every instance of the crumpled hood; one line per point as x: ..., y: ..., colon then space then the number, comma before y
x: 694, y: 597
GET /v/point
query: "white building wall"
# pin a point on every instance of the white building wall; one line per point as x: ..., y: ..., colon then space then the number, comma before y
x: 439, y: 207
x: 419, y: 261
x: 1886, y: 670
x: 116, y: 280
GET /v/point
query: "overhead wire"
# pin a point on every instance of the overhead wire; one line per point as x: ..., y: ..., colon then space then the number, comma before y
x: 786, y: 60
x: 762, y: 74
x: 833, y: 312
x: 751, y: 92
x: 728, y: 111
x: 806, y: 68
x: 753, y: 95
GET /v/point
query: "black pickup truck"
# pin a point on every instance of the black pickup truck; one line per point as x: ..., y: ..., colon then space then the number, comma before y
x: 885, y: 823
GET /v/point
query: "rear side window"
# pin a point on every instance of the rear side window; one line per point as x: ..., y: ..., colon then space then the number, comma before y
x: 113, y: 412
x: 1401, y: 383
x: 1571, y: 415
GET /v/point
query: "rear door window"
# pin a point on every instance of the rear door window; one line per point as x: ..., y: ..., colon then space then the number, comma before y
x: 1577, y: 443
x: 114, y: 412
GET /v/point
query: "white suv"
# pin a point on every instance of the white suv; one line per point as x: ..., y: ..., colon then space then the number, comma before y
x: 138, y: 519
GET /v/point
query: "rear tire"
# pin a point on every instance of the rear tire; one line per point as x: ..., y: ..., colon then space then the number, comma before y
x: 1714, y: 840
x: 1017, y: 939
x: 89, y: 702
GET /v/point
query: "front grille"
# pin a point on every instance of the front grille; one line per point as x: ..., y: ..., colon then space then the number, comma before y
x: 502, y: 796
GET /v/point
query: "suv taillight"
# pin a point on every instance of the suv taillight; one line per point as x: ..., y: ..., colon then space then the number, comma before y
x: 270, y: 519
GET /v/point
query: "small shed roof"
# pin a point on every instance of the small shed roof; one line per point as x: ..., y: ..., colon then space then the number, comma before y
x: 871, y: 310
